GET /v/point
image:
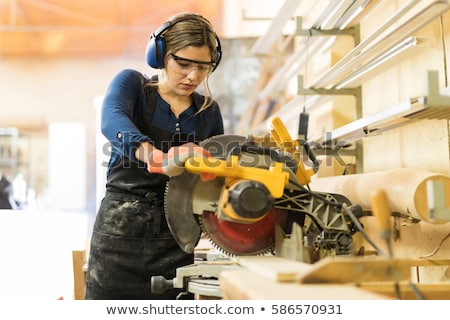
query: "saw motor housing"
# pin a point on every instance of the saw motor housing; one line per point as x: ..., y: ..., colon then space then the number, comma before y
x: 244, y: 201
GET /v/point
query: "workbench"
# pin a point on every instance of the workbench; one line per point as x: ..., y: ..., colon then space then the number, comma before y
x: 352, y: 278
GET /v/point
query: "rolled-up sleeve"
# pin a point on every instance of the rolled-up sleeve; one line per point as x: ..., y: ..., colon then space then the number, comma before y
x: 122, y: 100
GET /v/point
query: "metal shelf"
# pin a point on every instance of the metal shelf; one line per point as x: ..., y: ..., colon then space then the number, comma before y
x: 9, y: 148
x: 433, y: 106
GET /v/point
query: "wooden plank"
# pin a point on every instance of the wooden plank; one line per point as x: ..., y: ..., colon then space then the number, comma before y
x: 79, y: 274
x: 244, y: 284
x: 357, y: 270
x: 333, y: 269
x: 427, y: 291
x: 274, y: 268
x: 430, y: 262
x: 26, y: 124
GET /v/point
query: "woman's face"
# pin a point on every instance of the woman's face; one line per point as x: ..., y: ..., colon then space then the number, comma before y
x: 187, y: 68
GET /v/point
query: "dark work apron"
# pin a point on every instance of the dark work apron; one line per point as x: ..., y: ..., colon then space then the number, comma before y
x: 131, y: 240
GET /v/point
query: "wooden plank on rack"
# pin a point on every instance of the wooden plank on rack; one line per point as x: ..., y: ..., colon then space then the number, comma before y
x: 26, y: 124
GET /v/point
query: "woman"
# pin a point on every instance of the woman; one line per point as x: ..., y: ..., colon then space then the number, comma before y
x: 153, y: 127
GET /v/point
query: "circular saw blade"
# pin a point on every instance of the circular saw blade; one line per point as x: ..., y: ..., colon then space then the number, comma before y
x: 180, y: 190
x: 238, y: 239
x: 178, y: 211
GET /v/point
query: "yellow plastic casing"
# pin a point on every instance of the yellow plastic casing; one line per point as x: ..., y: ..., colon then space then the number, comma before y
x: 283, y: 139
x: 274, y: 178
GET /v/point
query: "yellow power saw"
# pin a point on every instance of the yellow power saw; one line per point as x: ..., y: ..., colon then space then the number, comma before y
x: 261, y: 184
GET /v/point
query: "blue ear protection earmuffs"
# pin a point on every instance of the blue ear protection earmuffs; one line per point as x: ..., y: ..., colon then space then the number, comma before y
x: 155, y: 51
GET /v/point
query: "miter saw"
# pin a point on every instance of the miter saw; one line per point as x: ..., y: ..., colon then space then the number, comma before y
x: 261, y: 183
x: 258, y: 201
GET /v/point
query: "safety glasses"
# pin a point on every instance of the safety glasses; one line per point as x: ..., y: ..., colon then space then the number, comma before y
x: 185, y: 66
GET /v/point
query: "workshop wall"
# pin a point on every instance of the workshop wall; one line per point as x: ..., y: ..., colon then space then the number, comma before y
x: 423, y: 144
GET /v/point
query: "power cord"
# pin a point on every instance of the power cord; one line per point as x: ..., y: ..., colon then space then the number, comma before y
x: 361, y: 230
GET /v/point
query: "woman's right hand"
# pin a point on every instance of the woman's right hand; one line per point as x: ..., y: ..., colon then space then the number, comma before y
x: 172, y: 162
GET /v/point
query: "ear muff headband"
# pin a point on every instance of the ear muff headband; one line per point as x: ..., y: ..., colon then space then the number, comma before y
x: 156, y: 48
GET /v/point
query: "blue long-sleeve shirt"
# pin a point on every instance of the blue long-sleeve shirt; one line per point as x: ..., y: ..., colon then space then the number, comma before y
x: 130, y: 113
x: 125, y: 102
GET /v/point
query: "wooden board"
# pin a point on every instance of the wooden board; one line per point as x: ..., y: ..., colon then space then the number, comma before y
x: 244, y: 284
x: 354, y: 278
x: 330, y: 270
x: 274, y: 268
x: 79, y: 273
x: 357, y: 270
x: 426, y: 291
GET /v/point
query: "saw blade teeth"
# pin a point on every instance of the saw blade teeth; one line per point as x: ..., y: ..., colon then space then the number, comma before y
x: 228, y: 253
x: 222, y: 250
x: 215, y: 245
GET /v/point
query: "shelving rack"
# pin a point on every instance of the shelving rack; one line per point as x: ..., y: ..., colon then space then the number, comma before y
x: 393, y: 36
x: 9, y: 137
